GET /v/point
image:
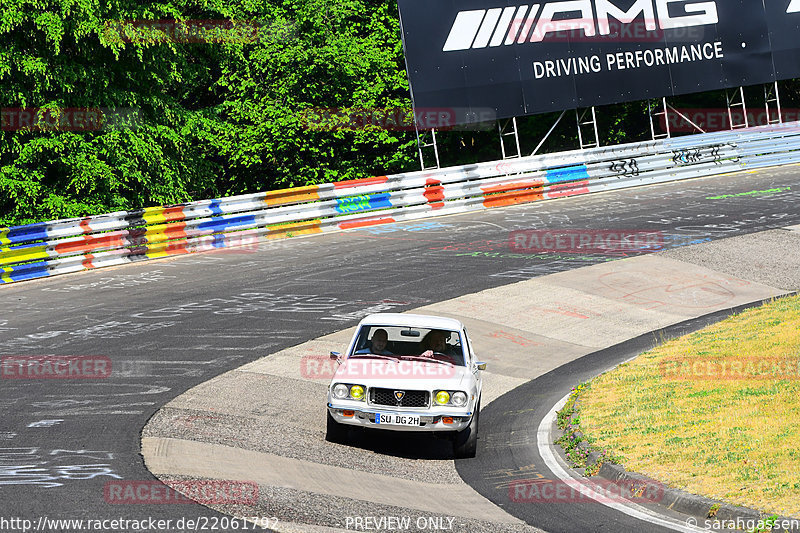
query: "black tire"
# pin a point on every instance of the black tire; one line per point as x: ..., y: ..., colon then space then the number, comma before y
x: 465, y: 444
x: 334, y: 431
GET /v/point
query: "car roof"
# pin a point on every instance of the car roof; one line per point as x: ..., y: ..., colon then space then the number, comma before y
x: 412, y: 320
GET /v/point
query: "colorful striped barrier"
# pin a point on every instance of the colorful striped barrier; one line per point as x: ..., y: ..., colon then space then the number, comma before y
x: 62, y: 246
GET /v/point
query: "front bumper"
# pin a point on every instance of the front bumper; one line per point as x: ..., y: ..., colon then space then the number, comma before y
x: 429, y: 421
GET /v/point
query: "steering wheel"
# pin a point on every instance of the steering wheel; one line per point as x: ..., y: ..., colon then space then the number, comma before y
x: 445, y: 357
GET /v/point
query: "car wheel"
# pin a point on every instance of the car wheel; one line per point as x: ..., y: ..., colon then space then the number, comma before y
x: 334, y: 431
x: 465, y: 444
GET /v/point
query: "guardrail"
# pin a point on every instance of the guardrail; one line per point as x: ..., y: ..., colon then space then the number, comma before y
x: 62, y: 246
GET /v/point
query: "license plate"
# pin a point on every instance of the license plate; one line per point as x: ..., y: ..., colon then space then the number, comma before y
x: 396, y: 420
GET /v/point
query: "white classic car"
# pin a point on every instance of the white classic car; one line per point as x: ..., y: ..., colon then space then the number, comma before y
x: 405, y: 372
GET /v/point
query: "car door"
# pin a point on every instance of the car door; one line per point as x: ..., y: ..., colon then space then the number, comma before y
x: 470, y: 362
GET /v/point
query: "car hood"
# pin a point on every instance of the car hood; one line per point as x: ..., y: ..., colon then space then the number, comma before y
x: 405, y: 374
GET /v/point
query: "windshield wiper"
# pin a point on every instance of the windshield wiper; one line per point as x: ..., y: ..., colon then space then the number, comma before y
x: 432, y: 359
x: 375, y: 355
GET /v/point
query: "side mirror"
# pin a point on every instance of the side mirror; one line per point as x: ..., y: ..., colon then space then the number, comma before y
x: 335, y: 355
x: 480, y: 365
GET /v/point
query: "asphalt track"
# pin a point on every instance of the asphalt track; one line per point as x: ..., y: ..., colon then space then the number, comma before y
x: 169, y: 325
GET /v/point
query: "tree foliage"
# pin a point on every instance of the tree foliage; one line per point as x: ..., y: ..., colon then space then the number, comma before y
x: 205, y: 117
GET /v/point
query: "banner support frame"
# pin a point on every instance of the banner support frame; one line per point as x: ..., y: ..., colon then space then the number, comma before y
x: 422, y: 144
x: 731, y: 102
x: 772, y: 95
x: 501, y: 127
x: 547, y: 135
x: 582, y: 121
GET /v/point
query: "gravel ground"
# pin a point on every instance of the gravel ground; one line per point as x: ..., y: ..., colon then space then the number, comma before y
x: 744, y: 256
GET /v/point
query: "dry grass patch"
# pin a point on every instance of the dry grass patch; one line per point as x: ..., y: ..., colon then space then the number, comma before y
x: 716, y: 412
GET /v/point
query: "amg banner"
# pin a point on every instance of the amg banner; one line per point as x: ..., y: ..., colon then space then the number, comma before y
x: 520, y: 59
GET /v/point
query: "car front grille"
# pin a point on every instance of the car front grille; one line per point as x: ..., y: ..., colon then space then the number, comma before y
x: 411, y: 398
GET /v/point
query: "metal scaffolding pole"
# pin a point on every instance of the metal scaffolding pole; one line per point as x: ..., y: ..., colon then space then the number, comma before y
x: 663, y: 112
x: 503, y: 128
x: 423, y: 143
x: 773, y: 96
x: 550, y: 131
x: 591, y: 120
x: 736, y: 100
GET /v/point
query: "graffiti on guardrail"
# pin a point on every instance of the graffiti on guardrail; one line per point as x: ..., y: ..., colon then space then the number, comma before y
x: 694, y: 156
x: 627, y: 168
x: 687, y: 157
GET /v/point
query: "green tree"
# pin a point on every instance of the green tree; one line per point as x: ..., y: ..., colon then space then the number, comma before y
x: 216, y: 117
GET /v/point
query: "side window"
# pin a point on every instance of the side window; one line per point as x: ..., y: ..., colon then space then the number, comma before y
x: 362, y: 342
x: 468, y: 351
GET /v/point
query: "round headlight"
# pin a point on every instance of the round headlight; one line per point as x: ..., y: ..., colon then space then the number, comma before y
x: 357, y: 392
x: 442, y: 397
x: 340, y: 391
x: 459, y: 399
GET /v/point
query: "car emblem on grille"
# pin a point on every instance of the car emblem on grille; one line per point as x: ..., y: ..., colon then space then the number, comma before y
x: 398, y: 395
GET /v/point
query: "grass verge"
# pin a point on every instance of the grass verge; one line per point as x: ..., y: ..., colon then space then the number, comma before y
x: 716, y: 413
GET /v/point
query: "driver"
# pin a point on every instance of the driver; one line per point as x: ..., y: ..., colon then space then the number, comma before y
x: 436, y: 342
x: 378, y: 343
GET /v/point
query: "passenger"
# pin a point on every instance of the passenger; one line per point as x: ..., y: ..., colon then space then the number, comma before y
x: 378, y: 343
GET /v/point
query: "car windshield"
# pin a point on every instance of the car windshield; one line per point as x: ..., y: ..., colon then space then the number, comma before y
x: 398, y: 342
